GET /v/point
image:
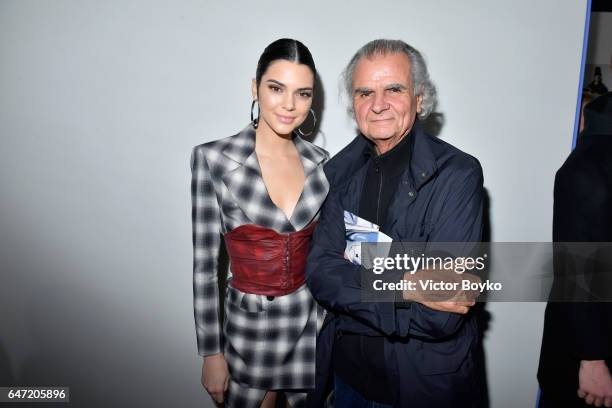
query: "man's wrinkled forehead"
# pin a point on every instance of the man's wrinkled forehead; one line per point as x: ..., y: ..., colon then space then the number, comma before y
x: 379, y: 68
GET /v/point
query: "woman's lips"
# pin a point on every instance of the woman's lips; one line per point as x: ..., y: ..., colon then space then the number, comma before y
x: 285, y: 119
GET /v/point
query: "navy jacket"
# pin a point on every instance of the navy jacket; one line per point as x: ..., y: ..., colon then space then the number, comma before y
x: 439, y: 199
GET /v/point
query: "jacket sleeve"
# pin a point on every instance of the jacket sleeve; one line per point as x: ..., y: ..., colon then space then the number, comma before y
x: 337, y: 284
x: 460, y: 220
x: 206, y: 230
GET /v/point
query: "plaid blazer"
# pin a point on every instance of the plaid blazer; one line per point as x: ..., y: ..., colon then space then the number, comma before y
x: 228, y: 191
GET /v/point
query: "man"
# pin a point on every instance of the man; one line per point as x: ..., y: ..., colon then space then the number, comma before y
x: 576, y: 355
x: 417, y: 189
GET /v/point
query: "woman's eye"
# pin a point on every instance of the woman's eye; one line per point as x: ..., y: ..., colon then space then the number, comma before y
x: 305, y: 94
x: 275, y: 88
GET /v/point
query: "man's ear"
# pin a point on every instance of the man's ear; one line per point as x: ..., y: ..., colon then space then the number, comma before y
x: 419, y: 102
x: 254, y: 89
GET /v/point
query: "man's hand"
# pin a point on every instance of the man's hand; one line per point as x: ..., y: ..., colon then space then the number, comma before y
x: 450, y: 306
x: 595, y: 383
x: 215, y: 376
x: 454, y: 300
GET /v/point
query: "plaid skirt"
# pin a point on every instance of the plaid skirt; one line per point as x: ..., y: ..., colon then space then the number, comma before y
x: 270, y: 343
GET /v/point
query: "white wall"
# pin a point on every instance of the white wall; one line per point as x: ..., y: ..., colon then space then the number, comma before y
x: 101, y: 102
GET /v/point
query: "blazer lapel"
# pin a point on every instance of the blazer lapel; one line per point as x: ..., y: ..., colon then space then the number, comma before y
x: 243, y: 180
x: 316, y: 185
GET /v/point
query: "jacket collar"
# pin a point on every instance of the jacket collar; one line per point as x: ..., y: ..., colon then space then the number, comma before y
x: 423, y: 164
x: 241, y: 149
x: 244, y: 169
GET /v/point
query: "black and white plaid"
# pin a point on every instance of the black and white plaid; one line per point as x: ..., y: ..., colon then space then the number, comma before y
x: 268, y: 344
x: 241, y: 395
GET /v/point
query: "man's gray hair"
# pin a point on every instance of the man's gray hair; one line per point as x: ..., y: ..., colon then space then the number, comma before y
x: 418, y: 69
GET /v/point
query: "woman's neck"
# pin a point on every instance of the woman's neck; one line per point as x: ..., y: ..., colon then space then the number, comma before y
x: 271, y: 143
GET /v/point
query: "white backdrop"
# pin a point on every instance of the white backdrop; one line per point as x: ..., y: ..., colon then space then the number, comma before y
x: 102, y: 101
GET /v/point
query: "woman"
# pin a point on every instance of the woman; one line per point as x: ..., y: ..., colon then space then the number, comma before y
x: 262, y: 189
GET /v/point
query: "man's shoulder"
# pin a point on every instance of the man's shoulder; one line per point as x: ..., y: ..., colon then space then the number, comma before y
x: 344, y: 163
x: 449, y: 157
x: 350, y: 151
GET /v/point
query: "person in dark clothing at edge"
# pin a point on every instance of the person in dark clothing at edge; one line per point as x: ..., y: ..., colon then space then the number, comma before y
x: 576, y: 354
x: 596, y: 87
x: 417, y: 188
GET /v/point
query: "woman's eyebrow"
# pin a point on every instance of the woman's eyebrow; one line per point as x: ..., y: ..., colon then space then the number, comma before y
x: 276, y: 82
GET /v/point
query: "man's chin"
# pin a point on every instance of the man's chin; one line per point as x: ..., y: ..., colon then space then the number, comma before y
x: 382, y: 137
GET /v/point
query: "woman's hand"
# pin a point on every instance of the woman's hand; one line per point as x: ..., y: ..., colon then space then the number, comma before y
x: 215, y: 376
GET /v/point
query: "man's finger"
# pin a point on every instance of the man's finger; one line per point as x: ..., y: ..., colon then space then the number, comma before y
x: 468, y: 303
x: 459, y: 309
x: 608, y: 402
x: 589, y: 399
x: 581, y: 393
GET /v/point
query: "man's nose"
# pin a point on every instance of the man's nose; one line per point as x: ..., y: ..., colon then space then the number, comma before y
x: 379, y: 104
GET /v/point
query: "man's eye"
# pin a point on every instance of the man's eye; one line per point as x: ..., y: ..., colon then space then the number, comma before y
x: 364, y: 94
x: 394, y: 90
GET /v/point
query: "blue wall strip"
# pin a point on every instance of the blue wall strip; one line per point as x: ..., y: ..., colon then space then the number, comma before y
x: 585, y: 45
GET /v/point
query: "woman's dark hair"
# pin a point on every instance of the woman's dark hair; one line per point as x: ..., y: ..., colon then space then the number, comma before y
x: 284, y: 49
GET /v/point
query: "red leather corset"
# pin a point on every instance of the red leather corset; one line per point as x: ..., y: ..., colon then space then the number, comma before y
x: 266, y: 262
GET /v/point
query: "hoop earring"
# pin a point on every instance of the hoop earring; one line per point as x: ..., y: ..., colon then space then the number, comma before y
x: 255, y: 121
x: 314, y: 125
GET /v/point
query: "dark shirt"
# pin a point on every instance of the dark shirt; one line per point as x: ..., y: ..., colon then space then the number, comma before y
x: 359, y: 359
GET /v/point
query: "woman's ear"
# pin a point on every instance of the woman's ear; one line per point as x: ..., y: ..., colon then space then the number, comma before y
x: 254, y: 89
